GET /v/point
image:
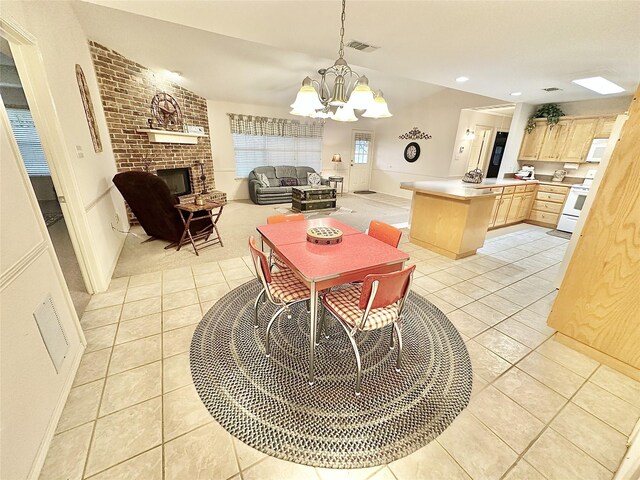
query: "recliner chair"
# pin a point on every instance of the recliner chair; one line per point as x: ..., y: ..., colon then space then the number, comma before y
x: 152, y: 203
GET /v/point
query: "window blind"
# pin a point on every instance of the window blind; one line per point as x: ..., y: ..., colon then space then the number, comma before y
x: 361, y: 143
x: 26, y: 135
x: 252, y: 151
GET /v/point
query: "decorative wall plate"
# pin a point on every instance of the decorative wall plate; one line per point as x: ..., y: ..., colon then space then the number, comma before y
x: 412, y: 152
x: 88, y: 109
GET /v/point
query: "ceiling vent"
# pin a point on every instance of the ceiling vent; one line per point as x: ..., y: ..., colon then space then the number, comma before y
x: 552, y: 89
x: 361, y: 46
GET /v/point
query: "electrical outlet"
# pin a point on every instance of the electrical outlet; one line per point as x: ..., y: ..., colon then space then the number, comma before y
x: 117, y: 219
x: 79, y: 152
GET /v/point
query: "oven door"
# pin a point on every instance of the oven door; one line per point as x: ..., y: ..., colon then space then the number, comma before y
x: 575, y: 201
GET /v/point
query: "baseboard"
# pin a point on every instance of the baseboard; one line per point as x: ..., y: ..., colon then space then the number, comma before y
x: 40, y: 458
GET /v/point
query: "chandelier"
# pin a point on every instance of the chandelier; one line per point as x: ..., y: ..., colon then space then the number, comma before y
x: 339, y: 92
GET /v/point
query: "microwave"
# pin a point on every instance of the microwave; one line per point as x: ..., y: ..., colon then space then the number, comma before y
x: 598, y: 147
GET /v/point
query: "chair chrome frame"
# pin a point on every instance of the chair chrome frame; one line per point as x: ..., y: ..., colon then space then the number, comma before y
x: 265, y: 295
x: 351, y: 330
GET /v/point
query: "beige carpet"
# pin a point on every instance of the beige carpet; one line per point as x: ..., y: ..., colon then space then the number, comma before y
x: 239, y: 220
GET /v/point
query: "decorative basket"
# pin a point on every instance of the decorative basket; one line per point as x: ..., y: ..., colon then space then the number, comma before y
x: 474, y: 176
x: 324, y: 235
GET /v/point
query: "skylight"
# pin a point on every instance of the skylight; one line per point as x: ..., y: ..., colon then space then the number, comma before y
x: 600, y: 85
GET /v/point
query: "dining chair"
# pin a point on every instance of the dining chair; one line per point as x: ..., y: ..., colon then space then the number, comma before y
x: 280, y: 288
x: 274, y: 259
x: 385, y: 233
x: 371, y: 305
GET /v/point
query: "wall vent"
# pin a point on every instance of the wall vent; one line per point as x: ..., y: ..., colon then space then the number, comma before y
x: 552, y: 89
x: 361, y: 46
x: 52, y: 332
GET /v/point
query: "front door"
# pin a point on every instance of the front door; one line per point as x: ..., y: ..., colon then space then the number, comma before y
x: 361, y: 159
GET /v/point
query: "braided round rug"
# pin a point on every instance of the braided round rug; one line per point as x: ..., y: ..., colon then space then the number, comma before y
x: 268, y: 404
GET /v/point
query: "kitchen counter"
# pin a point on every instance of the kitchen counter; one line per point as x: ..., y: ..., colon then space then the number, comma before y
x: 448, y: 218
x: 447, y: 188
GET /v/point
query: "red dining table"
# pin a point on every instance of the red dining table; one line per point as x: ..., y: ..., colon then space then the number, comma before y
x: 325, y: 266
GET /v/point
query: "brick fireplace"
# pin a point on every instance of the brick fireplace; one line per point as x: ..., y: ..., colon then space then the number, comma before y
x: 126, y: 89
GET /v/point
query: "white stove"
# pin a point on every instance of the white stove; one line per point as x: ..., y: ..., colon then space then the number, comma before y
x: 575, y: 202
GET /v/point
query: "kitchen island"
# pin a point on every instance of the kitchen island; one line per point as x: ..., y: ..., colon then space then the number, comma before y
x: 448, y: 217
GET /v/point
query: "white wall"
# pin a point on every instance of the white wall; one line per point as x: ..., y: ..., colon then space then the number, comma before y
x: 437, y: 115
x: 521, y: 115
x: 32, y: 394
x: 63, y: 44
x: 337, y: 139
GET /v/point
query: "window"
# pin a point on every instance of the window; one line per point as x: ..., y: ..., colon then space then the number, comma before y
x: 28, y: 141
x: 361, y: 144
x: 260, y: 141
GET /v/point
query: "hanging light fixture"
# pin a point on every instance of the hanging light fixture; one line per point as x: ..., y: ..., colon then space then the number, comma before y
x: 349, y: 92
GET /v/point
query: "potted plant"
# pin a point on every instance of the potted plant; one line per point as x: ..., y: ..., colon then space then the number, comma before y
x: 551, y: 111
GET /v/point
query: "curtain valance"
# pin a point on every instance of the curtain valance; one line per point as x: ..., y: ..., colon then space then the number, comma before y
x: 279, y: 127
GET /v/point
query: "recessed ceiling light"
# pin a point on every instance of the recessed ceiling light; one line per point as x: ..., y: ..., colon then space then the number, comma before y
x: 600, y: 85
x: 516, y: 94
x: 462, y: 79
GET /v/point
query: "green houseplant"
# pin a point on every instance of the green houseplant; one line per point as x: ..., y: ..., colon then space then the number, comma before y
x: 551, y: 111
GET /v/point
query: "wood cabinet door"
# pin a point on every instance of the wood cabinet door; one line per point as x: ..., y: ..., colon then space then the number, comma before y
x: 496, y: 204
x: 532, y: 142
x: 554, y: 140
x: 514, y: 208
x: 604, y: 127
x: 503, y: 210
x: 525, y: 206
x: 579, y: 140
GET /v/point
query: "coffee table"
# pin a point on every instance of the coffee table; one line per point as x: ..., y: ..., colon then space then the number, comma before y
x: 307, y: 198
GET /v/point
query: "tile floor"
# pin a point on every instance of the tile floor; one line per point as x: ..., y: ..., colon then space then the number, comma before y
x: 539, y: 409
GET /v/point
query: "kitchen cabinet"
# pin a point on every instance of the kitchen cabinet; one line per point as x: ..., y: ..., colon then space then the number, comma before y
x: 604, y: 127
x: 553, y: 142
x: 578, y: 140
x: 503, y: 210
x: 532, y: 142
x: 515, y: 207
x: 525, y: 207
x: 547, y: 205
x: 567, y: 141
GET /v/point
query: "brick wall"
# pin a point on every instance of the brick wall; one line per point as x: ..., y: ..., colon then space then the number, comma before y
x: 126, y: 89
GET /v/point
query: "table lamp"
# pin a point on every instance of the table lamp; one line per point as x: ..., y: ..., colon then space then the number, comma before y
x: 336, y: 159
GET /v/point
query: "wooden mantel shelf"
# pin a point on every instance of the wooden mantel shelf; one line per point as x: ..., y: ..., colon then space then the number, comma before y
x: 168, y: 136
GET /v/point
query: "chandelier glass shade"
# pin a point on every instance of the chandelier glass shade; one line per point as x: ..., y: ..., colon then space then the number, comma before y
x: 339, y: 92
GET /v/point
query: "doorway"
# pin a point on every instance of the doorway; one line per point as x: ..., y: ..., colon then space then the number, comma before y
x: 361, y: 160
x: 479, y: 151
x: 37, y: 167
x: 496, y: 154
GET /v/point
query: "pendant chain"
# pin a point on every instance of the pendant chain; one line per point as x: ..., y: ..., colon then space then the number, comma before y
x: 341, y: 51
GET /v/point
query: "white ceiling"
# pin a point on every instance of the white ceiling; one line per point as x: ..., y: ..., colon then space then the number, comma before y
x: 259, y: 51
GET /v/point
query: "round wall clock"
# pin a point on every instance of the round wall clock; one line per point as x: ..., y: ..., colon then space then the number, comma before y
x: 412, y: 152
x: 166, y: 110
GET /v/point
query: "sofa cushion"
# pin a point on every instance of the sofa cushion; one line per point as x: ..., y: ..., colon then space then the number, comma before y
x: 274, y: 190
x: 289, y: 182
x: 286, y: 171
x: 263, y: 179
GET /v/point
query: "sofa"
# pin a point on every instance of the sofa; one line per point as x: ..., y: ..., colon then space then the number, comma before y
x: 276, y: 192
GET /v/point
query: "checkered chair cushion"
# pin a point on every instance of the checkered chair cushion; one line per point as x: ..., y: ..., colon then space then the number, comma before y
x: 344, y: 304
x: 278, y: 262
x: 286, y: 287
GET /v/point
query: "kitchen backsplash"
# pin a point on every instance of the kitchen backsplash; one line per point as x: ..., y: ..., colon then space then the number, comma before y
x: 547, y: 168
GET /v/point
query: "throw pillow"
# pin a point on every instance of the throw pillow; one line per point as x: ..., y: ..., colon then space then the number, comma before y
x: 313, y: 179
x: 289, y: 182
x: 263, y: 179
